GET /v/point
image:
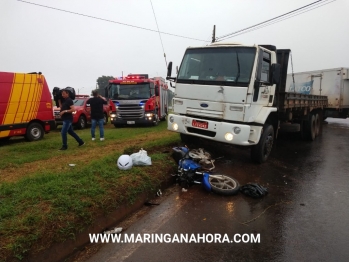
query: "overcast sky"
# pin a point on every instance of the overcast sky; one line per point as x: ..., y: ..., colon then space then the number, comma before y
x: 73, y: 50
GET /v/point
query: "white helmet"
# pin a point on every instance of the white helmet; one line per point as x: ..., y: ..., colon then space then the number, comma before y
x: 125, y: 162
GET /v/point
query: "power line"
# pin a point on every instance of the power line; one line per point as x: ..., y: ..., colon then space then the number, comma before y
x: 110, y: 21
x: 259, y: 27
x: 272, y: 19
x: 276, y: 19
x: 159, y: 33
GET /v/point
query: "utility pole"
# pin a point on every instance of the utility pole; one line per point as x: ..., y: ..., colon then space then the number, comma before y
x: 214, y: 34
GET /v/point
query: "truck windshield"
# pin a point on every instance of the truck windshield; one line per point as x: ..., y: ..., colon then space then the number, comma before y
x: 129, y: 92
x: 231, y: 65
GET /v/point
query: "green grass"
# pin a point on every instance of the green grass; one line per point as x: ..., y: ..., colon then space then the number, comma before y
x: 55, y: 205
x: 24, y: 152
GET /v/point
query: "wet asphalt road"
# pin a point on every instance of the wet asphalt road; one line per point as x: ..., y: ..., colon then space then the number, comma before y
x: 305, y: 216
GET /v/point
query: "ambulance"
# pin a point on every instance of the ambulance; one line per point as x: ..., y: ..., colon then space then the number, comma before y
x: 25, y: 106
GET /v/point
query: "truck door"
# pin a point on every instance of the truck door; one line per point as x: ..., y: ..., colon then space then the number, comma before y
x: 262, y: 93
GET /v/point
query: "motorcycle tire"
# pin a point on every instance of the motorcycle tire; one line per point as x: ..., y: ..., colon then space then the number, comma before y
x: 224, y: 185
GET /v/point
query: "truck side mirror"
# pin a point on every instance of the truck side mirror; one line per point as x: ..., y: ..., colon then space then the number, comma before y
x: 157, y: 90
x: 275, y: 73
x: 169, y: 69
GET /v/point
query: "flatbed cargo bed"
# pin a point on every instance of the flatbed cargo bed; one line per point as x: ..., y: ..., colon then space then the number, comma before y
x: 296, y: 100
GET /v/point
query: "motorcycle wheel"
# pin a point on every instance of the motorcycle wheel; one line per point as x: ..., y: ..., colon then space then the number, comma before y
x: 198, y: 154
x: 223, y: 185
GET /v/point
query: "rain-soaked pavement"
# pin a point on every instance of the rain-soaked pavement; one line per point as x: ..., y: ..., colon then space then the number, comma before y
x: 305, y: 216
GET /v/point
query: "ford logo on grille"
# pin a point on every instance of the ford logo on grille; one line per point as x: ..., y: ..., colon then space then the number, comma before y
x: 204, y: 105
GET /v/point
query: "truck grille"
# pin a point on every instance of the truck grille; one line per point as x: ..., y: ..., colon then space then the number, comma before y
x: 201, y: 132
x: 130, y: 111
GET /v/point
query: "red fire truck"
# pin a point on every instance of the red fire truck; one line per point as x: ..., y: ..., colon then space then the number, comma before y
x: 138, y: 100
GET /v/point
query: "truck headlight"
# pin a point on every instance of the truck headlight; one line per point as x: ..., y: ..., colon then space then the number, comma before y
x: 74, y: 112
x: 149, y: 114
x: 113, y: 115
x: 237, y: 130
x: 171, y: 119
x: 228, y: 136
x: 175, y: 126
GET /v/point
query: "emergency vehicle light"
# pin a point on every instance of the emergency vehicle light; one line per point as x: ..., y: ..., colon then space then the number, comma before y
x: 139, y: 76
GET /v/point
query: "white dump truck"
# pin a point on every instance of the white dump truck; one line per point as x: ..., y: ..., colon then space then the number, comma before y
x: 239, y: 94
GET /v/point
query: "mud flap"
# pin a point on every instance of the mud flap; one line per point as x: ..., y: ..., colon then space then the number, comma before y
x: 206, y: 182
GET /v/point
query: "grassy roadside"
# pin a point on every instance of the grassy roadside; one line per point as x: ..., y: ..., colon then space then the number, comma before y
x: 52, y: 202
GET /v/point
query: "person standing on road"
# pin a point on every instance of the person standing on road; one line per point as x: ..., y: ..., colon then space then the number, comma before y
x: 67, y: 109
x: 97, y: 116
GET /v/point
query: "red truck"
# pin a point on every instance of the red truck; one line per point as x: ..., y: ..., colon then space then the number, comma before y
x: 138, y: 100
x: 82, y: 114
x: 25, y: 106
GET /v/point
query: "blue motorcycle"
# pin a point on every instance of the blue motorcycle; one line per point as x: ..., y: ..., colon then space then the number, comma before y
x: 193, y: 169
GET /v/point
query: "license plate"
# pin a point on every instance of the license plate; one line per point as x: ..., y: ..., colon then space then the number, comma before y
x: 200, y: 124
x: 130, y: 122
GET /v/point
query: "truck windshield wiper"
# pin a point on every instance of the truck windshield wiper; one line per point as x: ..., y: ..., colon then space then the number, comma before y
x: 238, y: 74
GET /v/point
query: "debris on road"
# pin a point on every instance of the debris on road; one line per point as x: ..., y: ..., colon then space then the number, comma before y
x: 116, y: 230
x: 141, y: 158
x: 254, y: 190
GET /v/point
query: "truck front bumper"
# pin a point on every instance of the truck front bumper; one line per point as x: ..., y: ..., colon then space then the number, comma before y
x: 146, y: 120
x: 231, y: 133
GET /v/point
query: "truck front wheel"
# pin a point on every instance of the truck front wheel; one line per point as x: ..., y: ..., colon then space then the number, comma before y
x: 105, y: 119
x: 156, y: 120
x: 261, y: 151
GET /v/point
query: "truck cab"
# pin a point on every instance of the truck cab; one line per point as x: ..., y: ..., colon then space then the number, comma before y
x: 225, y: 92
x: 138, y: 99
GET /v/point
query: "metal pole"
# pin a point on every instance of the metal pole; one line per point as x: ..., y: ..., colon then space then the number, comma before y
x: 214, y: 34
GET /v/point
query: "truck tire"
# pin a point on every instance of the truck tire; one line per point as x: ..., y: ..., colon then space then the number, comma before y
x: 105, y: 119
x: 261, y: 151
x: 311, y: 127
x: 317, y: 124
x: 35, y: 132
x: 81, y: 124
x: 156, y: 120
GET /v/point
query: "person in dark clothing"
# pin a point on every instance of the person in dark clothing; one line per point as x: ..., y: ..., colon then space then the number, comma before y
x: 97, y: 116
x: 67, y: 109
